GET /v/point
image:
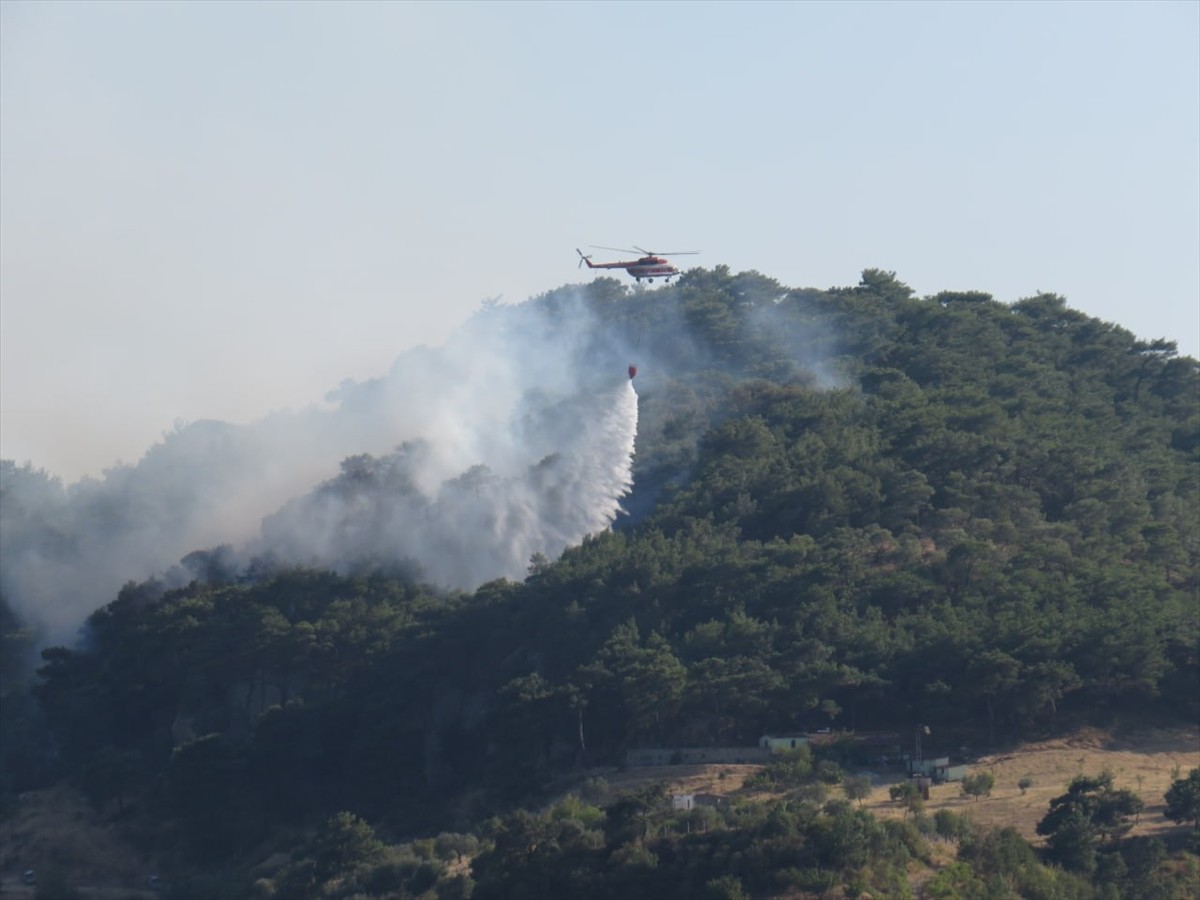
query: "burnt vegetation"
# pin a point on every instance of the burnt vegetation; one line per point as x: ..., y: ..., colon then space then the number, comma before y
x: 853, y: 508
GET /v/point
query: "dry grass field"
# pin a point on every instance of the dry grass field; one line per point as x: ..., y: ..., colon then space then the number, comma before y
x: 1143, y: 764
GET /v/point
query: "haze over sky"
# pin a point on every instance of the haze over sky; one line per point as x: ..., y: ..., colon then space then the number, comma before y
x: 215, y: 210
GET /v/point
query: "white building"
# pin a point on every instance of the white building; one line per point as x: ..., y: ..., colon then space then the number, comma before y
x: 683, y: 801
x: 779, y: 743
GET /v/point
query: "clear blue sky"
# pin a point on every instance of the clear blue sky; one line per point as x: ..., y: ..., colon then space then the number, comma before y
x: 214, y: 210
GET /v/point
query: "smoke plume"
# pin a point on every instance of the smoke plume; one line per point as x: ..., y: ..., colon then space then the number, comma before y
x: 570, y: 464
x: 514, y: 439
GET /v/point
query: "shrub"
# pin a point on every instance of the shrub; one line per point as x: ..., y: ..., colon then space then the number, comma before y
x: 950, y: 826
x: 727, y: 887
x: 790, y: 769
x: 978, y: 785
x: 829, y: 772
x: 857, y: 787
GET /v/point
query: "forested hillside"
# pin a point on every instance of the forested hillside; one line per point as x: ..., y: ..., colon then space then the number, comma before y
x: 854, y: 508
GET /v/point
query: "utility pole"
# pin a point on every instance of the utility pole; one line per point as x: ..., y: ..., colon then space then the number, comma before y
x: 923, y: 779
x: 920, y: 730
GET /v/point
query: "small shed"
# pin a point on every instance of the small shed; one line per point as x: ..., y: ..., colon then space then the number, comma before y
x: 950, y: 773
x: 938, y: 769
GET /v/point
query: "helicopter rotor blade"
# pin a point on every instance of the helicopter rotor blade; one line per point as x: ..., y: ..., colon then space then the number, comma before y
x: 665, y: 252
x: 615, y: 249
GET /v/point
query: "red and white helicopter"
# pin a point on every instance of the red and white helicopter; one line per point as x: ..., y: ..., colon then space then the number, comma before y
x: 652, y: 265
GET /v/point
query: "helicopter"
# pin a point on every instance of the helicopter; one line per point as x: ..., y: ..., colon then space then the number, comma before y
x: 652, y: 265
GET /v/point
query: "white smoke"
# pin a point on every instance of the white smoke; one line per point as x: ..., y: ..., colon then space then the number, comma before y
x: 515, y: 438
x: 562, y: 478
